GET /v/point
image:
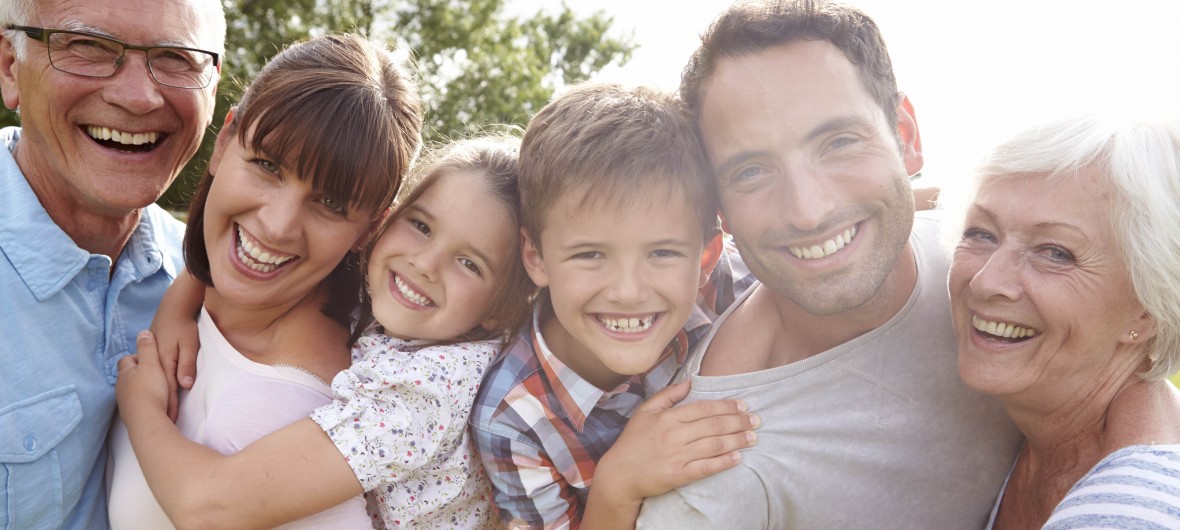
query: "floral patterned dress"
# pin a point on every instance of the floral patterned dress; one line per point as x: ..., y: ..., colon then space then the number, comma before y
x: 399, y: 417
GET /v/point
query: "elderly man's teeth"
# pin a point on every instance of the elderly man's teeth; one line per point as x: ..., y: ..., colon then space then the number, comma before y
x: 126, y: 138
x: 828, y: 247
x: 410, y: 293
x: 250, y: 253
x: 1001, y: 329
x: 628, y: 325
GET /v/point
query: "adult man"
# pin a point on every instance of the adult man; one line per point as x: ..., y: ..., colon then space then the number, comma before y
x: 114, y: 96
x: 845, y: 349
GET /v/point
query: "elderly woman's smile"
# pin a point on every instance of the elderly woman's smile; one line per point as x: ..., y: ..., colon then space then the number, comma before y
x: 1050, y: 321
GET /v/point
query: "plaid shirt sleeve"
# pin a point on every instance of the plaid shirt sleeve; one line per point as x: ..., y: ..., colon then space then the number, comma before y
x: 728, y: 280
x: 529, y: 491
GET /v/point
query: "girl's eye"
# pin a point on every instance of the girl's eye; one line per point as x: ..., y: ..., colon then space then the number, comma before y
x: 470, y: 265
x: 332, y: 204
x: 665, y: 253
x: 589, y: 254
x: 419, y: 225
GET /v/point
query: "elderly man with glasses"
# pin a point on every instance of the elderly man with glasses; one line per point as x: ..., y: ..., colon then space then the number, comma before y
x: 114, y: 97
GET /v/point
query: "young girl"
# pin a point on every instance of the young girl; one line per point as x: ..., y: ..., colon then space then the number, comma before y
x: 446, y: 287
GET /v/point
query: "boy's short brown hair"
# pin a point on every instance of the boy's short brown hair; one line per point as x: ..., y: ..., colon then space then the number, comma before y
x: 612, y: 147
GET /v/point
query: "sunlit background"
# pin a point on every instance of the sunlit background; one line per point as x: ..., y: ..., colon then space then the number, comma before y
x: 976, y: 70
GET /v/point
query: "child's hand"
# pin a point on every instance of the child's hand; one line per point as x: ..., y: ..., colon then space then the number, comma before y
x: 663, y: 448
x: 142, y: 384
x: 175, y: 330
x: 177, y: 345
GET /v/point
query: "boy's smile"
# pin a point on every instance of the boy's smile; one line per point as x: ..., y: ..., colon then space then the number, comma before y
x: 622, y: 282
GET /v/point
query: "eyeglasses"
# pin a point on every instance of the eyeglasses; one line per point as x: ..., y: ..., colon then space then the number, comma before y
x: 88, y: 55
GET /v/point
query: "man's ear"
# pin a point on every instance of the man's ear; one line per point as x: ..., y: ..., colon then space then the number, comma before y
x: 712, y: 253
x: 530, y: 254
x: 8, y: 73
x: 907, y: 128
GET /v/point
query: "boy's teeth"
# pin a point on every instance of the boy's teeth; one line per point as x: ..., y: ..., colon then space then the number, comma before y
x: 256, y: 258
x: 117, y: 136
x: 828, y: 247
x: 412, y: 295
x: 1001, y: 329
x: 628, y: 325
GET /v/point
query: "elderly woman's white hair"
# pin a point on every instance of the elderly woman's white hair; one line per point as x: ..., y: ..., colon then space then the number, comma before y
x: 1141, y: 161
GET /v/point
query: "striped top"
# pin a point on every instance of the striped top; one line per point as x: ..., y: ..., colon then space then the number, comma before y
x: 1134, y: 487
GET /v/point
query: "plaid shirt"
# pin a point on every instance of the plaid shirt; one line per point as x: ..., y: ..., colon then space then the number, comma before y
x: 540, y: 427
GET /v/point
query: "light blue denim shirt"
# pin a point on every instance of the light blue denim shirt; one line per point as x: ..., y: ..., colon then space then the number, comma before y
x: 65, y: 321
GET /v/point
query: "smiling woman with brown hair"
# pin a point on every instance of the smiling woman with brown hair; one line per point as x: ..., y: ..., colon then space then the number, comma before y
x: 1065, y: 289
x: 302, y: 171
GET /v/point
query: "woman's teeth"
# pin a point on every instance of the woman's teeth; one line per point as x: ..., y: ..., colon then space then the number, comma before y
x: 1000, y: 329
x: 254, y: 257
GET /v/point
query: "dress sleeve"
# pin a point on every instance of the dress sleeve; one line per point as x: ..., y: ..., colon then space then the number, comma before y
x: 528, y: 489
x: 396, y: 410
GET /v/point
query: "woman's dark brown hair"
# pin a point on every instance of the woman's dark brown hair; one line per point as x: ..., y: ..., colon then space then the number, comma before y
x: 339, y: 111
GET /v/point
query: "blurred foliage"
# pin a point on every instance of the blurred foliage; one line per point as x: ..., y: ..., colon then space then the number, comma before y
x: 477, y: 66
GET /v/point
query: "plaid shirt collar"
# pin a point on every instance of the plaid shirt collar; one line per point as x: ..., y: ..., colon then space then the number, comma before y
x: 578, y: 397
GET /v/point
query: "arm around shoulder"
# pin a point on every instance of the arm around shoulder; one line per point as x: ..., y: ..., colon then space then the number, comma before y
x: 283, y: 476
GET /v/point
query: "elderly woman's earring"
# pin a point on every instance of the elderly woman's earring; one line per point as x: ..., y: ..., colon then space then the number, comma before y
x: 1134, y: 335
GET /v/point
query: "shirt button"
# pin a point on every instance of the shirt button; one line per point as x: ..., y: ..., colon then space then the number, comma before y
x: 30, y: 443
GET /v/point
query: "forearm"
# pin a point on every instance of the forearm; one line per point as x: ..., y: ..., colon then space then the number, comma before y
x: 605, y: 510
x: 282, y: 477
x: 183, y: 475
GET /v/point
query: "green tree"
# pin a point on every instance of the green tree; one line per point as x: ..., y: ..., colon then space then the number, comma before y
x: 477, y: 66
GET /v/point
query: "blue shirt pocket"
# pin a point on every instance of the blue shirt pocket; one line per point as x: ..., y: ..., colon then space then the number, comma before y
x: 33, y: 495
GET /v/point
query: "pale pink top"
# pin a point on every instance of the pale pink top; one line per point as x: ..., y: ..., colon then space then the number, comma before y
x: 233, y: 402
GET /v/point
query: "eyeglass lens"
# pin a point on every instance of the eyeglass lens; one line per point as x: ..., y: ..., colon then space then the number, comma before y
x: 97, y: 57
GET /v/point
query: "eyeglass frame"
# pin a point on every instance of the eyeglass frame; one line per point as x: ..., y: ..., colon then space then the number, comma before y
x: 42, y: 35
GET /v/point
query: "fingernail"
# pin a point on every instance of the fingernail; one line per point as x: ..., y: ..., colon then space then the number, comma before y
x: 755, y: 421
x: 751, y: 437
x: 742, y: 406
x: 186, y: 381
x: 735, y: 456
x: 144, y: 335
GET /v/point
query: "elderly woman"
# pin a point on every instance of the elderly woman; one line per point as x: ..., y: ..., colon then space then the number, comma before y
x: 1066, y: 296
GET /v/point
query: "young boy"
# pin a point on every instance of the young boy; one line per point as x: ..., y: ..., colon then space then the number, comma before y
x: 620, y: 230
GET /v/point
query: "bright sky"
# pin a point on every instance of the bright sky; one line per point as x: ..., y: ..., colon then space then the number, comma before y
x: 976, y: 70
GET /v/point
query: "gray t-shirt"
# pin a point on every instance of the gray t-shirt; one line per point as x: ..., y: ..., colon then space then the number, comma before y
x: 878, y: 432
